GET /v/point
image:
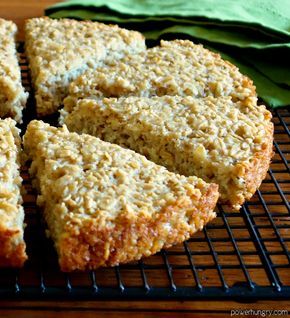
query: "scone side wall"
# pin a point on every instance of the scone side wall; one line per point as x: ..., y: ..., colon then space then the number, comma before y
x: 12, y: 245
x: 131, y: 240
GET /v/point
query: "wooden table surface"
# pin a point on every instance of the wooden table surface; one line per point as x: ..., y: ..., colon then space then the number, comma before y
x: 18, y: 11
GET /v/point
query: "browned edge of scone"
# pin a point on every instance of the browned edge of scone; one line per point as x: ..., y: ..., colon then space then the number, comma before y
x: 132, y: 239
x: 11, y: 255
x: 256, y: 170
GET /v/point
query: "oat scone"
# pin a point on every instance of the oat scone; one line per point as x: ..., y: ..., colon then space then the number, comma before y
x: 213, y: 138
x: 12, y: 245
x: 12, y: 95
x: 106, y: 205
x: 174, y: 68
x: 60, y: 50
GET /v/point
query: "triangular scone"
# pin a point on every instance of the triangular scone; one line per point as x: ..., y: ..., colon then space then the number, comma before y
x: 12, y: 95
x: 106, y: 205
x: 174, y: 68
x: 60, y: 50
x: 12, y: 246
x: 213, y: 138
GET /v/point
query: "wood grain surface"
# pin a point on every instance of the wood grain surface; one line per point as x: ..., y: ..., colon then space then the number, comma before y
x: 18, y: 11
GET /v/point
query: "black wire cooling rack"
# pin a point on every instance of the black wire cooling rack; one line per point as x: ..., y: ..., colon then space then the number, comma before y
x: 241, y: 255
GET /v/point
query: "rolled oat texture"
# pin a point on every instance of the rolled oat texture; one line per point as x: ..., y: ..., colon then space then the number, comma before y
x: 60, y: 50
x: 216, y: 139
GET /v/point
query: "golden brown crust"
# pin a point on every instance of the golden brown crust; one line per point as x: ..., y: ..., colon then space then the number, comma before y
x: 11, y: 255
x: 132, y: 239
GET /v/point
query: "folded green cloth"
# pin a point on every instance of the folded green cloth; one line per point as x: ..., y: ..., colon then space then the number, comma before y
x: 253, y: 34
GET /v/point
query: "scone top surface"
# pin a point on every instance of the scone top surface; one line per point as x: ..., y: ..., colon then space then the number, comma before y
x: 174, y: 68
x: 61, y: 45
x: 59, y: 50
x: 105, y: 205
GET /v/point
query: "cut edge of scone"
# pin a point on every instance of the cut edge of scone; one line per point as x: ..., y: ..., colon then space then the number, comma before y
x: 12, y: 94
x: 12, y: 245
x: 94, y: 116
x: 88, y: 243
x: 54, y: 65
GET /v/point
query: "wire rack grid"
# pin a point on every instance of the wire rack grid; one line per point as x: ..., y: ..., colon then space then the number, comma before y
x: 240, y: 255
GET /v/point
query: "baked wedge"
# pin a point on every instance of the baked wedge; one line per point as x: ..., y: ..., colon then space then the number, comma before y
x: 12, y: 246
x: 60, y: 50
x: 216, y: 139
x: 106, y: 205
x: 174, y: 68
x: 12, y: 95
